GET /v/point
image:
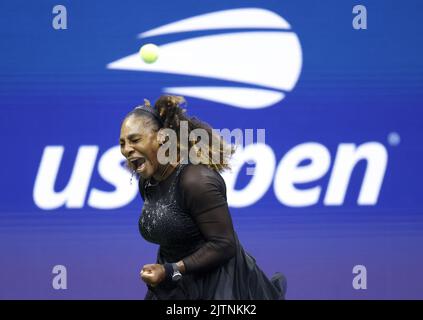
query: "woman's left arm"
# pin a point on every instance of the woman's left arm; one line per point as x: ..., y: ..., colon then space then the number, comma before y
x: 216, y: 227
x: 204, y: 196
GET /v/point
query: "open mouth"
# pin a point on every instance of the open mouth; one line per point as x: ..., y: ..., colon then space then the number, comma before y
x: 138, y: 164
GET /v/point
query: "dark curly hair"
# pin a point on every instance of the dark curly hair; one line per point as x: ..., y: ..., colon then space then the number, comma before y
x: 168, y: 112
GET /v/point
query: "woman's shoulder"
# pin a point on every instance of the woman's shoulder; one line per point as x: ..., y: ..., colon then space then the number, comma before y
x: 200, y: 188
x: 194, y: 175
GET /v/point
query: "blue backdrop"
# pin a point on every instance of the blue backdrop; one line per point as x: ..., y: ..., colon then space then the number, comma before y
x: 340, y: 106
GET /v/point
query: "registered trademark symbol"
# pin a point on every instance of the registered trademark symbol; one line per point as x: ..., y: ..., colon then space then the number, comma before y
x: 394, y: 139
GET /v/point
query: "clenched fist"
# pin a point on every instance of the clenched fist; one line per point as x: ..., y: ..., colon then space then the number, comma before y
x: 153, y: 274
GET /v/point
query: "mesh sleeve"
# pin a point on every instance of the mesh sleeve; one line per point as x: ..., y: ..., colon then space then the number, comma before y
x: 203, y: 193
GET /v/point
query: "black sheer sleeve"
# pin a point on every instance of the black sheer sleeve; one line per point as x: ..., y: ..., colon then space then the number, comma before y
x: 203, y: 193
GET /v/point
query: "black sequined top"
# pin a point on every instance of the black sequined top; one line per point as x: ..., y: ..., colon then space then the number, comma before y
x: 187, y: 215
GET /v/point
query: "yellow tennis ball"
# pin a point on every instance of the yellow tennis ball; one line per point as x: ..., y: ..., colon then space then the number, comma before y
x: 149, y: 53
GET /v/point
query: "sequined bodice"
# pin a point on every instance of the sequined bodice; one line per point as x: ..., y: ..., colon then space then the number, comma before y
x: 163, y: 220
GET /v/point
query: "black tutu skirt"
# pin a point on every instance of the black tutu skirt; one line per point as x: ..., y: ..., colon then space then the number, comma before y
x: 239, y: 278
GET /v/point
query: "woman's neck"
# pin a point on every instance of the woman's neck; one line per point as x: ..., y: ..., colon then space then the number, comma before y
x: 164, y: 171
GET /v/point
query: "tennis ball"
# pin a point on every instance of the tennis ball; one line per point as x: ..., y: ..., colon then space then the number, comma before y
x: 149, y: 53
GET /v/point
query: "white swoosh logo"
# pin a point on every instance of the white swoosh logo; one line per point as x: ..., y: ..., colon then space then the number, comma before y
x: 269, y: 60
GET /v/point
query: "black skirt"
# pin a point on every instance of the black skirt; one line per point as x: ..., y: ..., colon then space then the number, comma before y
x: 239, y: 278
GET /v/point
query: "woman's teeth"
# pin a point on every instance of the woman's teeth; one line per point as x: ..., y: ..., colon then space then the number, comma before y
x: 141, y: 167
x: 140, y: 164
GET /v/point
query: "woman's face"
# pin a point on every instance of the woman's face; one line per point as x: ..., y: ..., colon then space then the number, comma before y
x: 138, y: 144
